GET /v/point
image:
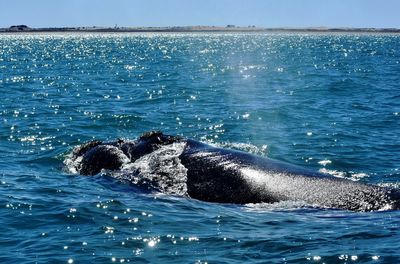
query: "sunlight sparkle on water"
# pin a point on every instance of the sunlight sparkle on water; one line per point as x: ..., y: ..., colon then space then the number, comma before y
x: 290, y: 97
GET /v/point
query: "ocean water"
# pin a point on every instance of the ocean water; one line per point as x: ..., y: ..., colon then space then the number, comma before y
x: 328, y: 102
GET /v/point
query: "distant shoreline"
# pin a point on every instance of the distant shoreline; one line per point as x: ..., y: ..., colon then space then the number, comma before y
x: 194, y: 29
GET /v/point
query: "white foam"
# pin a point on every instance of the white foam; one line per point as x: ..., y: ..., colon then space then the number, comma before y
x: 161, y: 168
x: 324, y: 162
x: 282, y: 205
x: 246, y: 147
x: 72, y: 163
x: 354, y: 176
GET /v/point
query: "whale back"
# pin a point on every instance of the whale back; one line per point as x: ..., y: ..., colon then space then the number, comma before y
x: 231, y: 176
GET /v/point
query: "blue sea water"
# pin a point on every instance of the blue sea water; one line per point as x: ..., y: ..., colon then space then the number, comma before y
x: 328, y: 102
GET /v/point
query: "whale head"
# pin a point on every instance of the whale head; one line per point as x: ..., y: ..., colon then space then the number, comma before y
x: 94, y: 156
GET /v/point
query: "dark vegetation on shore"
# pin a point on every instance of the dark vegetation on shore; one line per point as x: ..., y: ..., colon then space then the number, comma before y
x: 228, y: 28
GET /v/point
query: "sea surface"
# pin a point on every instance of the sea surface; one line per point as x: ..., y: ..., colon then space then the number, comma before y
x: 327, y: 102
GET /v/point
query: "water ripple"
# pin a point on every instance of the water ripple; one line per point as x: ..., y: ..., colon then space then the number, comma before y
x: 324, y: 101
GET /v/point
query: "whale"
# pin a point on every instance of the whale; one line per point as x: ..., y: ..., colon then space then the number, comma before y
x: 221, y: 175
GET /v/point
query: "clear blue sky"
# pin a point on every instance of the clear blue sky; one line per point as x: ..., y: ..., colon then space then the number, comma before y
x: 265, y: 13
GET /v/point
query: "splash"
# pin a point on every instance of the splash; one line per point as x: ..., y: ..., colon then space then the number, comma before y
x: 247, y: 147
x: 72, y: 163
x: 282, y: 205
x: 161, y: 169
x: 353, y: 176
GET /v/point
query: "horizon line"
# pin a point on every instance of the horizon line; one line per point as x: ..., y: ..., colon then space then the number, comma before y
x: 198, y: 28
